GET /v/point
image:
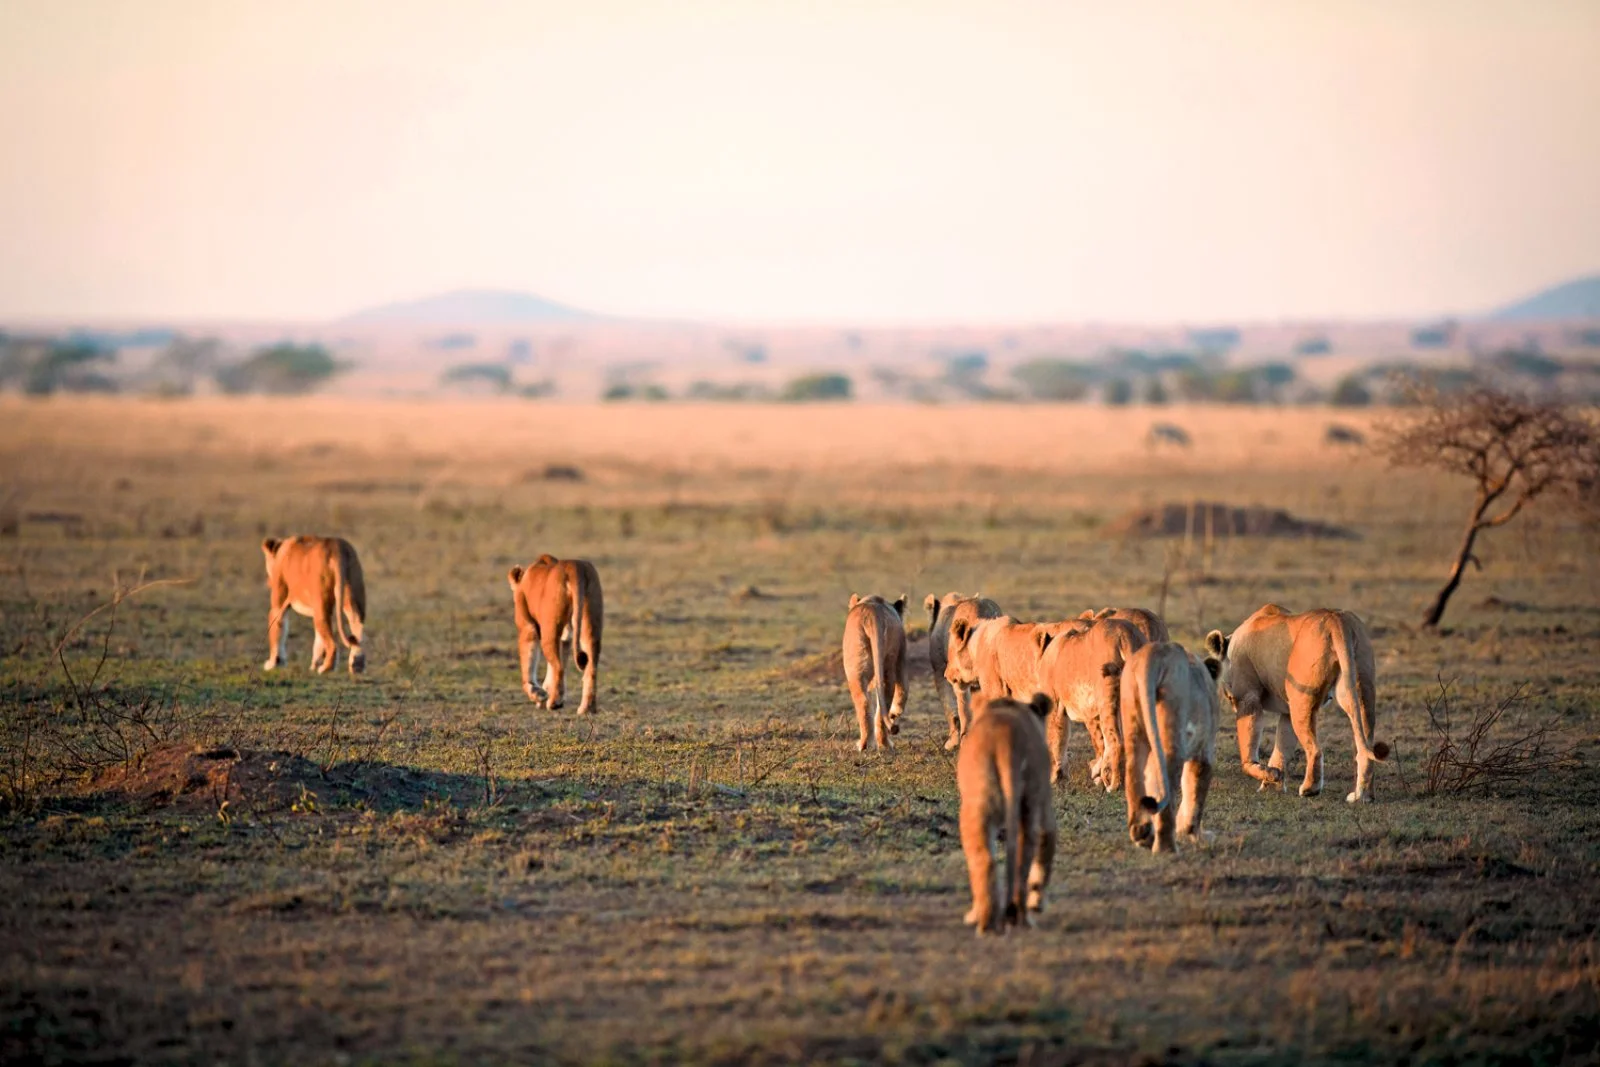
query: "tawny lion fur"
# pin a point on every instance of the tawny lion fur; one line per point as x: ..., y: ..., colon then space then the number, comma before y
x: 999, y: 656
x: 1287, y: 664
x: 319, y: 577
x: 1169, y: 727
x: 1079, y: 668
x: 874, y: 664
x: 557, y: 602
x: 942, y: 613
x: 1003, y: 774
x: 1144, y: 620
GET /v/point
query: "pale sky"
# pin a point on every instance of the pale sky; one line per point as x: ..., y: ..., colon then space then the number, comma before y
x: 977, y: 161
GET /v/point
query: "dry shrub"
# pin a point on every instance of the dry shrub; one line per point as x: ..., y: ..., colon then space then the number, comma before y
x: 1487, y: 748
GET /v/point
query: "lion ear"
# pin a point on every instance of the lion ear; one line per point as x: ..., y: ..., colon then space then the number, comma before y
x: 959, y: 629
x: 1216, y: 644
x: 270, y: 546
x: 1086, y: 613
x: 514, y: 575
x: 1042, y: 639
x: 855, y: 598
x: 1213, y: 667
x: 931, y: 606
x: 1041, y: 705
x: 900, y: 605
x: 1105, y: 613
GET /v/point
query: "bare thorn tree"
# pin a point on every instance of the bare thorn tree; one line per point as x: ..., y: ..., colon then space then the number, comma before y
x: 1516, y: 449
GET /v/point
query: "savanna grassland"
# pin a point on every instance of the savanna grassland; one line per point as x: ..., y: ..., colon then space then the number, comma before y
x: 202, y: 862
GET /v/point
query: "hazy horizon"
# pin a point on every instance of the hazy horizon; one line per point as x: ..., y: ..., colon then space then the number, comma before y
x: 968, y: 162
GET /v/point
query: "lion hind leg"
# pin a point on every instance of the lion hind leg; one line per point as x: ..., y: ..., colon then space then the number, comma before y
x: 325, y: 649
x: 858, y: 697
x: 356, y: 629
x: 1056, y: 727
x: 1196, y: 785
x: 588, y: 703
x: 1166, y: 820
x: 1039, y: 875
x: 528, y: 655
x: 1303, y: 714
x: 978, y: 843
x: 554, y: 670
x: 1284, y: 745
x: 277, y: 637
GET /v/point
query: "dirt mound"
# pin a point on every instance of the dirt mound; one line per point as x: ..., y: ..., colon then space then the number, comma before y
x: 1220, y: 520
x: 827, y: 668
x: 190, y: 779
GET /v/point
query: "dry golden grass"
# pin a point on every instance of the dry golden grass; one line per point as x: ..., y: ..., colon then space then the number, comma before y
x: 708, y: 871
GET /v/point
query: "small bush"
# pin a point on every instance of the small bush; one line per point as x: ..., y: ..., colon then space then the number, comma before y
x: 496, y: 375
x: 1351, y: 392
x: 1052, y: 379
x: 282, y: 370
x: 817, y: 387
x: 1486, y: 750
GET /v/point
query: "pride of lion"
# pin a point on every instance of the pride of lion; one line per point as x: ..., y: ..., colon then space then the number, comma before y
x: 1010, y: 690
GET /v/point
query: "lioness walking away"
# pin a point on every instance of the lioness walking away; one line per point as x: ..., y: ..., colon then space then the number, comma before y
x: 1285, y: 664
x: 557, y: 601
x: 1003, y: 774
x: 1147, y: 622
x: 1169, y: 725
x: 942, y: 614
x: 319, y: 577
x: 875, y: 658
x: 1080, y: 669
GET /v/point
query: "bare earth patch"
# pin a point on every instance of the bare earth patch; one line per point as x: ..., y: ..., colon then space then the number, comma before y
x: 1200, y: 519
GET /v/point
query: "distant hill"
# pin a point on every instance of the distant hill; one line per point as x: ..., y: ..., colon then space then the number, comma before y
x: 1578, y: 299
x: 473, y: 306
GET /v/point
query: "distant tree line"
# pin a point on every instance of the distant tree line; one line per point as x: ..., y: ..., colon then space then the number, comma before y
x: 88, y: 363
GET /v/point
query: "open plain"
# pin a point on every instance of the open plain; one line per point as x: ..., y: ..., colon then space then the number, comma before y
x: 202, y: 862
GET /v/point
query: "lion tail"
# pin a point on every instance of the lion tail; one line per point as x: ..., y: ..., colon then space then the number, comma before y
x: 578, y: 590
x: 880, y: 681
x: 339, y: 590
x: 1155, y: 673
x: 1015, y: 876
x: 1355, y: 695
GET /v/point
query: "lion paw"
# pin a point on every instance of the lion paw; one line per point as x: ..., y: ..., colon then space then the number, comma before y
x: 272, y: 664
x: 953, y: 743
x: 1310, y: 790
x: 1358, y: 798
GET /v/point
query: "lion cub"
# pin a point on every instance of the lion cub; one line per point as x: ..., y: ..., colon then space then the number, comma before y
x: 875, y: 658
x: 319, y: 577
x: 1003, y: 774
x: 556, y: 601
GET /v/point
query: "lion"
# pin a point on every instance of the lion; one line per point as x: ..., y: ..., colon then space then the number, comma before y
x: 319, y: 577
x: 1079, y: 668
x: 557, y: 601
x: 941, y: 614
x: 1003, y: 774
x: 1287, y: 664
x: 997, y: 656
x: 1169, y: 721
x: 875, y: 656
x: 1144, y: 620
